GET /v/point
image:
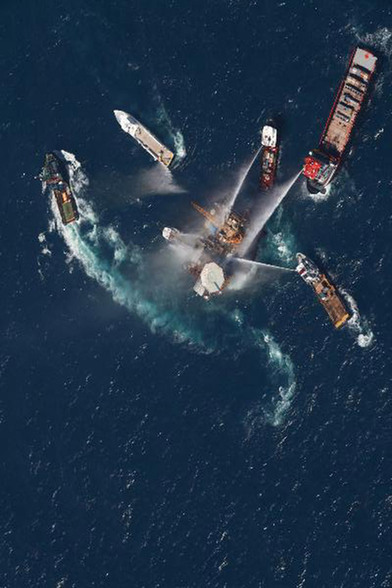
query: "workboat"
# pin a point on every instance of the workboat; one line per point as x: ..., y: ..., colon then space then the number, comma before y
x: 325, y: 291
x: 144, y: 137
x: 322, y: 163
x: 269, y: 156
x: 53, y: 178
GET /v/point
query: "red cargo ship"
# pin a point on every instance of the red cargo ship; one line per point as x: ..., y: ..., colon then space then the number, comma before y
x: 322, y: 163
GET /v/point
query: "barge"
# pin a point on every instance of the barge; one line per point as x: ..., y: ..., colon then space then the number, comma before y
x: 322, y: 163
x: 325, y: 291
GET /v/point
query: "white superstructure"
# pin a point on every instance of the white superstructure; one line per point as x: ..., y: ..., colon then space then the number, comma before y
x: 211, y: 280
x: 170, y: 234
x: 147, y: 140
x: 269, y: 136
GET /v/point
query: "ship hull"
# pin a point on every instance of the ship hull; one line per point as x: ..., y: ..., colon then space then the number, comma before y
x: 321, y: 165
x: 144, y: 137
x: 269, y: 157
x: 53, y: 177
x: 324, y: 290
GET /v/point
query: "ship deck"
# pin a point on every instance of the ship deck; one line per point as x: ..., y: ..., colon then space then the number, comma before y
x: 331, y: 302
x: 349, y: 101
x: 153, y: 146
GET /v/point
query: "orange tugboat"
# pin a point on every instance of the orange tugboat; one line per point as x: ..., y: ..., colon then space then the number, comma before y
x: 324, y: 290
x: 269, y: 156
x: 322, y: 163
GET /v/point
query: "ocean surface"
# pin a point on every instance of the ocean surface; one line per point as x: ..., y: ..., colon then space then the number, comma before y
x: 148, y: 438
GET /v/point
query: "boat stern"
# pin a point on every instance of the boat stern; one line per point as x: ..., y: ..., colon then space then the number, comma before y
x: 319, y: 171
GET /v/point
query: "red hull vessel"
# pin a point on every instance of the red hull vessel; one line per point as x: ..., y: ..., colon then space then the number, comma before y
x: 269, y: 156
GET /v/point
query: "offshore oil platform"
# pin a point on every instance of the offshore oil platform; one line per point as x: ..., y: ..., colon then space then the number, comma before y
x: 225, y: 230
x: 212, y: 254
x: 211, y: 251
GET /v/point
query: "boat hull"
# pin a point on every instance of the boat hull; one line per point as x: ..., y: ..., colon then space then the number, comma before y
x: 144, y: 137
x: 321, y: 165
x: 53, y: 177
x: 269, y: 157
x: 324, y: 290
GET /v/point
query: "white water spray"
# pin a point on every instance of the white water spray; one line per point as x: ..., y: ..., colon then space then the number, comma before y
x: 102, y: 253
x: 246, y: 169
x: 246, y: 270
x: 357, y: 324
x: 186, y: 248
x: 268, y: 204
x: 265, y: 266
x: 154, y: 180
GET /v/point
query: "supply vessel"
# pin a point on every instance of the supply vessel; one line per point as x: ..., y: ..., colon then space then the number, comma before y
x: 325, y: 291
x: 269, y: 156
x: 53, y: 178
x: 144, y: 137
x: 322, y: 163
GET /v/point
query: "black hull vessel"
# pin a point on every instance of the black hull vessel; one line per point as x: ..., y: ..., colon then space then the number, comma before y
x: 53, y: 178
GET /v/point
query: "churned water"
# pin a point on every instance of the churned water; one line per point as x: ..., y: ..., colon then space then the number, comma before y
x: 150, y: 438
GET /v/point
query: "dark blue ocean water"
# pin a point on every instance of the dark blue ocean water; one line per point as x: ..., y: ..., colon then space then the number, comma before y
x: 149, y: 439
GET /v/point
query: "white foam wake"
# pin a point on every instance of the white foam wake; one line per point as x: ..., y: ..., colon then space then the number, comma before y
x: 281, y: 371
x: 177, y: 136
x: 320, y: 197
x: 282, y: 367
x: 268, y: 204
x: 103, y: 256
x: 357, y: 324
x: 381, y: 39
x: 284, y: 245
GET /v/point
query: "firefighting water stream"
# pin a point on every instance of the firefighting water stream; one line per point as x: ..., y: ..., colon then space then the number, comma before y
x: 152, y: 437
x: 263, y: 266
x: 241, y: 180
x: 130, y: 274
x: 263, y: 212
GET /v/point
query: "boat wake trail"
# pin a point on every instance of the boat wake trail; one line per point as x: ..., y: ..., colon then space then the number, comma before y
x: 118, y: 267
x: 282, y: 367
x: 177, y: 136
x: 319, y: 197
x: 358, y: 325
x: 276, y: 405
x: 133, y: 280
x: 267, y: 206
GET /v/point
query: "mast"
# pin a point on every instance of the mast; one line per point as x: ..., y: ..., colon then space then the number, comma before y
x: 206, y: 214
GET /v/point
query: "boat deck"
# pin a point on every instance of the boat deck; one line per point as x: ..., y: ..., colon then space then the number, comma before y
x: 349, y: 101
x: 153, y: 146
x: 331, y: 301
